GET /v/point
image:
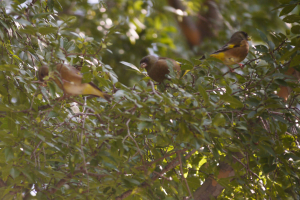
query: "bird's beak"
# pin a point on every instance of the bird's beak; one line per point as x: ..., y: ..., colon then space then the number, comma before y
x: 143, y: 65
x: 249, y: 38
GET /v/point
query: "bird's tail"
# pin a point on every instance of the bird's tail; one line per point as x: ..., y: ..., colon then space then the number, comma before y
x: 92, y: 89
x: 202, y: 58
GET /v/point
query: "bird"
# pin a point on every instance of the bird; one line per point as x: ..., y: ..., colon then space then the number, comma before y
x: 285, y: 91
x: 69, y: 79
x: 157, y: 67
x: 234, y: 51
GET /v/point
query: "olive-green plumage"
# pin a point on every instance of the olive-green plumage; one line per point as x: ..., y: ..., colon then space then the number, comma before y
x: 235, y: 50
x: 69, y: 79
x: 157, y: 67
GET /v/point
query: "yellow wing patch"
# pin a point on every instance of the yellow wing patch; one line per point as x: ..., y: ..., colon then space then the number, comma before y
x: 230, y: 46
x: 220, y: 56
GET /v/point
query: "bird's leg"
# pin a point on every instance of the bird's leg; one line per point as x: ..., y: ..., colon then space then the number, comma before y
x: 241, y: 65
x: 230, y: 69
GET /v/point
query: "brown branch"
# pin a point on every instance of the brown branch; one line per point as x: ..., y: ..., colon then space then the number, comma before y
x: 167, y: 168
x: 153, y: 89
x: 162, y: 158
x: 182, y: 176
x: 69, y: 176
x: 211, y: 188
x: 247, y: 168
x: 2, y: 183
x: 27, y: 9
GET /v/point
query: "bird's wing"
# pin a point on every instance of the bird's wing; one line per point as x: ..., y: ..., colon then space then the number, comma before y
x: 70, y: 74
x: 227, y: 47
x: 176, y: 64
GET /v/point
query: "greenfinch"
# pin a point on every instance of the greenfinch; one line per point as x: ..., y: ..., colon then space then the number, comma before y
x: 235, y: 50
x: 69, y: 79
x: 157, y: 67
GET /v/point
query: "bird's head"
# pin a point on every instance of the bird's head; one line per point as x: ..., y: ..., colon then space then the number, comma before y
x: 241, y: 35
x: 43, y: 72
x: 148, y: 61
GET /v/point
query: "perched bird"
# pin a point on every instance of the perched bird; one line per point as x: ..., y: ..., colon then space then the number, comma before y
x: 69, y: 79
x: 157, y: 67
x: 235, y: 50
x: 285, y: 91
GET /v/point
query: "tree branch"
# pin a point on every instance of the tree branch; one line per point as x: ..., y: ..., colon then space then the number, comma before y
x: 167, y: 168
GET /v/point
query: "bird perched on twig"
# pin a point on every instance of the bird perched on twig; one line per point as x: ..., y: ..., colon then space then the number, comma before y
x: 69, y: 79
x: 234, y: 51
x: 157, y: 67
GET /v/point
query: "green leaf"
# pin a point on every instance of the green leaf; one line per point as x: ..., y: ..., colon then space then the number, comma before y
x: 295, y: 61
x: 203, y: 94
x: 50, y: 4
x: 29, y: 30
x: 268, y: 149
x: 141, y: 126
x: 261, y: 48
x: 134, y: 181
x: 4, y: 24
x: 7, y: 67
x: 228, y: 89
x: 14, y: 172
x: 41, y: 15
x: 70, y: 46
x: 252, y: 102
x: 53, y: 114
x: 292, y: 18
x: 130, y: 65
x: 47, y: 30
x: 185, y: 64
x: 295, y: 29
x: 288, y: 54
x: 286, y: 10
x: 219, y: 120
x: 234, y: 103
x: 9, y: 154
x: 281, y: 82
x: 263, y: 36
x: 52, y: 89
x: 87, y: 76
x: 268, y: 168
x: 186, y: 67
x: 251, y: 114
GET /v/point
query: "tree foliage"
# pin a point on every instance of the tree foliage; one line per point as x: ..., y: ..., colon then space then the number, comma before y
x: 151, y: 141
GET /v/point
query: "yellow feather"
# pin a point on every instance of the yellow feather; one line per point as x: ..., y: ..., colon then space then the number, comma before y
x: 230, y: 46
x: 186, y: 72
x: 220, y: 56
x: 88, y: 89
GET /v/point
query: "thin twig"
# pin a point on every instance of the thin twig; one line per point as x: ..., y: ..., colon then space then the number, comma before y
x: 182, y: 176
x: 245, y: 166
x: 153, y: 89
x: 81, y: 144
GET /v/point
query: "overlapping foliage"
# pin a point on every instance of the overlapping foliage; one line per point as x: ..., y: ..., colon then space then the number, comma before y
x: 151, y: 141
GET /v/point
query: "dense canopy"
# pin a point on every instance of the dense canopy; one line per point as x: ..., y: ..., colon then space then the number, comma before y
x: 209, y: 133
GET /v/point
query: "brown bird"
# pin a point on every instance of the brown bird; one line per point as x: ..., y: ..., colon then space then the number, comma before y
x: 235, y: 50
x: 157, y: 67
x: 285, y: 91
x: 69, y: 79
